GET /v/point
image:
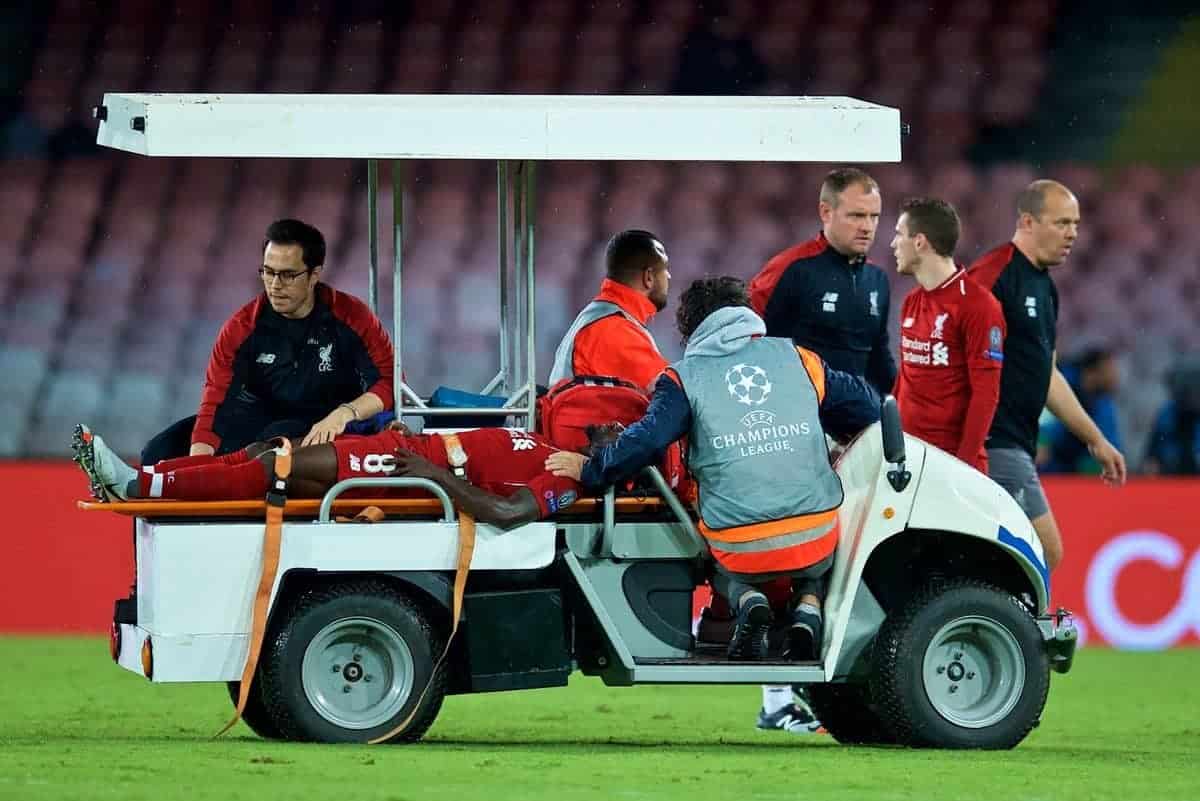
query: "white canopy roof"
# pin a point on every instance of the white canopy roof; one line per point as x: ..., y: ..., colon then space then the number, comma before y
x: 549, y: 127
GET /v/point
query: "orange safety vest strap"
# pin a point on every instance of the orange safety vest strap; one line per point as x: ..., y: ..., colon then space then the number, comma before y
x: 781, y: 560
x: 466, y: 549
x: 774, y: 543
x: 771, y: 528
x: 815, y: 369
x: 272, y: 538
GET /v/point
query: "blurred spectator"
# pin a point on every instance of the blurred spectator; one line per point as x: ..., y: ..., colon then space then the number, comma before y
x: 1174, y: 446
x: 718, y: 57
x: 1095, y: 377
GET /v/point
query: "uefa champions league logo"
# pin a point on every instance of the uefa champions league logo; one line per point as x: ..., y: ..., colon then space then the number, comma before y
x: 748, y: 384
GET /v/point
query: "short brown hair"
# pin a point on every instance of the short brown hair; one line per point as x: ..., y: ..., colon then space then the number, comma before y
x: 841, y: 179
x: 935, y: 218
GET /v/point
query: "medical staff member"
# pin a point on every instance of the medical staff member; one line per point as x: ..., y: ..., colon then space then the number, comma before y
x: 755, y: 410
x: 301, y: 360
x: 826, y: 296
x: 610, y: 337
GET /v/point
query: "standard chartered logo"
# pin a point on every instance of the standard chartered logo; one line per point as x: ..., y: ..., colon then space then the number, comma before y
x: 1105, y: 610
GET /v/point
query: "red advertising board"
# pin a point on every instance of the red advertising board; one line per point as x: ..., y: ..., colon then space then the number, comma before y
x: 64, y: 566
x: 1131, y: 573
x: 1131, y: 570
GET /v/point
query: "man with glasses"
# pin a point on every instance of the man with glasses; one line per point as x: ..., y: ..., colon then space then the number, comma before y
x: 301, y: 360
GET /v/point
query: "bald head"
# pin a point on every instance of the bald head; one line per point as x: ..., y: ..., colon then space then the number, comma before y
x: 1047, y: 222
x: 1033, y: 198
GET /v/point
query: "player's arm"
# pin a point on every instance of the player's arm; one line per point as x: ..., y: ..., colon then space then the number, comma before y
x: 983, y: 337
x: 1064, y: 405
x: 505, y: 513
x: 227, y: 371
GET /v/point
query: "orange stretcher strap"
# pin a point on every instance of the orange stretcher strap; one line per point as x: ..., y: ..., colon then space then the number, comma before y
x: 272, y: 538
x: 466, y: 549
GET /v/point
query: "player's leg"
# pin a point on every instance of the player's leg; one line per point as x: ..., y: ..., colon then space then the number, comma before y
x: 1047, y: 530
x: 314, y: 470
x: 1014, y: 470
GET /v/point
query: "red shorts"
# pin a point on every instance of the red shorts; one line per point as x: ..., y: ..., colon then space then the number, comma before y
x: 373, y: 457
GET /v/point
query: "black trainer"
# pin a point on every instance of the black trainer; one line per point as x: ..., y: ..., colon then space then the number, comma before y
x: 802, y: 643
x: 749, y: 640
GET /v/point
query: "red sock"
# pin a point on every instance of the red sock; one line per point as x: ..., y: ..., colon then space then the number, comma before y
x: 183, y: 462
x: 210, y: 482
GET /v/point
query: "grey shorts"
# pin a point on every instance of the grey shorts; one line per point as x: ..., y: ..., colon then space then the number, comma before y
x: 1013, y: 469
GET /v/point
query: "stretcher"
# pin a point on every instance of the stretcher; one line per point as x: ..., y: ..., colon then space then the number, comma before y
x: 936, y: 632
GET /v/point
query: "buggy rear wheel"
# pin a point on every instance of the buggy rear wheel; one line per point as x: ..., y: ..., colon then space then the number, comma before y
x: 351, y: 662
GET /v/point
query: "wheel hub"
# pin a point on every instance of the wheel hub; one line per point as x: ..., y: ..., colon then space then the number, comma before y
x: 357, y: 673
x: 973, y: 672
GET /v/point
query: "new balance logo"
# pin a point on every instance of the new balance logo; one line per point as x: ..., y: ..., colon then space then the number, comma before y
x: 941, y: 354
x: 266, y: 358
x: 1031, y: 306
x: 829, y: 302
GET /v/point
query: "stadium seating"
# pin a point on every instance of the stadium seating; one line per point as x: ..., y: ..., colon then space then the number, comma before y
x: 116, y: 272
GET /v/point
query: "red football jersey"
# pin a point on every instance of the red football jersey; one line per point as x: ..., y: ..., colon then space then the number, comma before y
x: 499, y: 460
x: 951, y: 352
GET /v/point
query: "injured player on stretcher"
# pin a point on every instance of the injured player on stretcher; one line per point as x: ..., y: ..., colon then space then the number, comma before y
x: 495, y: 474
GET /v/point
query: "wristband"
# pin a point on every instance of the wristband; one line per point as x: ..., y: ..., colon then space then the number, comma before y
x: 353, y: 411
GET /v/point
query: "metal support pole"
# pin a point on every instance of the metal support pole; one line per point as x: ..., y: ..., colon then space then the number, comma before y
x: 530, y: 176
x: 397, y: 261
x: 502, y: 194
x: 373, y: 234
x: 518, y: 318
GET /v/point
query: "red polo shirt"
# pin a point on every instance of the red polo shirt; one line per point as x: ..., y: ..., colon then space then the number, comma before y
x: 613, y: 346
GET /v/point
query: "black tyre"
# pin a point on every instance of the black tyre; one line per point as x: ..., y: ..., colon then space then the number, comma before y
x: 255, y: 714
x: 348, y: 663
x: 846, y: 712
x: 962, y: 665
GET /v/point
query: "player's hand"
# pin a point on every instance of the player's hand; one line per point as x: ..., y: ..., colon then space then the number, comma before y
x: 414, y: 465
x: 328, y: 428
x: 1112, y: 463
x: 399, y: 428
x: 566, y: 463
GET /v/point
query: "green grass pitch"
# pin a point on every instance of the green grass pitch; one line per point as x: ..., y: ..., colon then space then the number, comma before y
x: 1121, y: 726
